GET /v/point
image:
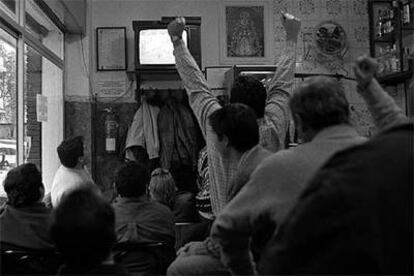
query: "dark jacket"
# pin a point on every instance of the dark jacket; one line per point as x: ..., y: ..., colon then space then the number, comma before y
x: 356, y: 215
x: 138, y: 220
x: 26, y: 226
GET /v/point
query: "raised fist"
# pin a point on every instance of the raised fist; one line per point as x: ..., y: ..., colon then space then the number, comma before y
x: 365, y: 69
x: 291, y: 25
x: 176, y: 28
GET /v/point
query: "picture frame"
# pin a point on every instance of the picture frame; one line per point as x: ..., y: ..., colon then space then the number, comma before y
x: 111, y: 49
x: 245, y: 36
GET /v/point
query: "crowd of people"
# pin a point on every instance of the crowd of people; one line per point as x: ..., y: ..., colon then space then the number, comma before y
x: 338, y: 203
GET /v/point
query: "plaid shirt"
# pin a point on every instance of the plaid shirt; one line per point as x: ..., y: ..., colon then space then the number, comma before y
x: 273, y: 126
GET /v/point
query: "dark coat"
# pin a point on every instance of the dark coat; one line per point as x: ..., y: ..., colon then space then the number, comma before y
x: 356, y: 215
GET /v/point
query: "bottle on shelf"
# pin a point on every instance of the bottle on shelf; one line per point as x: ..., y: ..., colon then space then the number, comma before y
x: 379, y: 27
x: 394, y: 59
x: 406, y: 12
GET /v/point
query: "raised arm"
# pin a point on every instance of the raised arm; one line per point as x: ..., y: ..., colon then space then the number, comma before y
x: 201, y: 99
x: 381, y: 105
x: 280, y: 87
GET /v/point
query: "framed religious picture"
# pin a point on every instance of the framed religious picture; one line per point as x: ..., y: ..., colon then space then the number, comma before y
x: 111, y: 51
x: 245, y: 34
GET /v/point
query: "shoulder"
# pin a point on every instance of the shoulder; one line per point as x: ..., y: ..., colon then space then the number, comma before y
x: 159, y: 208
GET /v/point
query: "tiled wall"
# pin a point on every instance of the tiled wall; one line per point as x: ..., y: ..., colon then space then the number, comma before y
x: 352, y: 15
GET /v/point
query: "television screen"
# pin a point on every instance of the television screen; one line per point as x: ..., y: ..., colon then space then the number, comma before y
x: 155, y: 47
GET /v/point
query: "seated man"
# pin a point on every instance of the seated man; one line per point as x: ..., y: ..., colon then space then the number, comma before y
x: 24, y: 218
x: 321, y: 114
x: 236, y: 136
x: 137, y: 218
x: 83, y: 229
x: 72, y: 173
x: 356, y: 215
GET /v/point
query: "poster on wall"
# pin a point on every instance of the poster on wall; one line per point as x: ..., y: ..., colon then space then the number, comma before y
x: 41, y: 108
x: 245, y: 37
x: 111, y: 49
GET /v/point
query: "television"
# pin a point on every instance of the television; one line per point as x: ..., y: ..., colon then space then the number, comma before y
x: 153, y: 46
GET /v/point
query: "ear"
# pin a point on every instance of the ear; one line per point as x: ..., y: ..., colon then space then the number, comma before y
x: 225, y: 140
x: 81, y: 160
x: 42, y: 192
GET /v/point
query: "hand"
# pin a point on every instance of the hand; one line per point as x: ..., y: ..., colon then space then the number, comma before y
x: 291, y: 25
x: 176, y: 28
x: 364, y: 70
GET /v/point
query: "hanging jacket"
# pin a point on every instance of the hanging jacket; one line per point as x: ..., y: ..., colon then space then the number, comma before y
x: 178, y: 135
x: 144, y: 130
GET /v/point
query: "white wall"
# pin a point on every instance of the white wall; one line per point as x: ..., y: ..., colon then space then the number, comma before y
x: 52, y: 130
x: 352, y: 15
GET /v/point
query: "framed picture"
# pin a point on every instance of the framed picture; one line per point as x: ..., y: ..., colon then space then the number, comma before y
x: 245, y: 35
x: 111, y: 49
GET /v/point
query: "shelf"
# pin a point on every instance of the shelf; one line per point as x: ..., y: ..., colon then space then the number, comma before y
x: 394, y: 78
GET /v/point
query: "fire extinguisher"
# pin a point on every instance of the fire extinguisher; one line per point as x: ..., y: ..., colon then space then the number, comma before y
x: 111, y: 130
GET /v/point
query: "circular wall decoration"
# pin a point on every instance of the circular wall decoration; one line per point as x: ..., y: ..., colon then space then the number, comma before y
x: 330, y: 38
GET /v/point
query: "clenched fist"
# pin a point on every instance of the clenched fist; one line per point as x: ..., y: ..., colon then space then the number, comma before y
x: 365, y: 69
x: 291, y: 25
x: 176, y: 28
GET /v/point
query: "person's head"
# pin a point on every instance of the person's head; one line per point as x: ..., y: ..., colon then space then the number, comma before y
x: 250, y: 91
x: 23, y: 186
x: 162, y: 187
x: 132, y: 179
x: 235, y: 128
x: 70, y: 152
x: 83, y: 228
x: 318, y: 103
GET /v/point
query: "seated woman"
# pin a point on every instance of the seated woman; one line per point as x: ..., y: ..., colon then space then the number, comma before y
x: 163, y: 190
x: 24, y: 218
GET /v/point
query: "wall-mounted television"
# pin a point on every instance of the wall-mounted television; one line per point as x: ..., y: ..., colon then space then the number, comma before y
x: 153, y: 47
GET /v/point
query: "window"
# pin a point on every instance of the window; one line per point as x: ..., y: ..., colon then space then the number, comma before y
x: 41, y: 137
x: 8, y: 104
x: 38, y: 24
x: 31, y: 80
x: 9, y: 6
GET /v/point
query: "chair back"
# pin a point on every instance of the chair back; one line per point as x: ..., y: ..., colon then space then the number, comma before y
x: 144, y: 258
x: 23, y: 261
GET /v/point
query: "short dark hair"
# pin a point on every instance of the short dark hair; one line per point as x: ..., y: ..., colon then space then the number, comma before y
x: 320, y: 102
x: 132, y: 179
x: 239, y: 123
x: 83, y: 228
x: 23, y: 185
x: 70, y: 150
x: 250, y: 91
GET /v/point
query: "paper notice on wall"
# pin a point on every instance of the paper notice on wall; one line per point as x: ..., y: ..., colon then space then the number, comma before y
x: 41, y: 108
x: 111, y: 88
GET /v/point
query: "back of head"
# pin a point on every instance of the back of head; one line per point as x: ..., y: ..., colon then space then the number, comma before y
x: 162, y: 187
x: 131, y: 179
x: 249, y: 91
x: 23, y: 185
x: 83, y: 228
x: 238, y: 123
x: 318, y: 103
x: 70, y: 150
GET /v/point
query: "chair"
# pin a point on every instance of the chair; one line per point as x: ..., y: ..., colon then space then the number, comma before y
x: 190, y: 231
x: 144, y: 258
x: 22, y: 261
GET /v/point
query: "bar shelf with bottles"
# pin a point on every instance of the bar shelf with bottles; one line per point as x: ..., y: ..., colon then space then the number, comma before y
x: 392, y: 38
